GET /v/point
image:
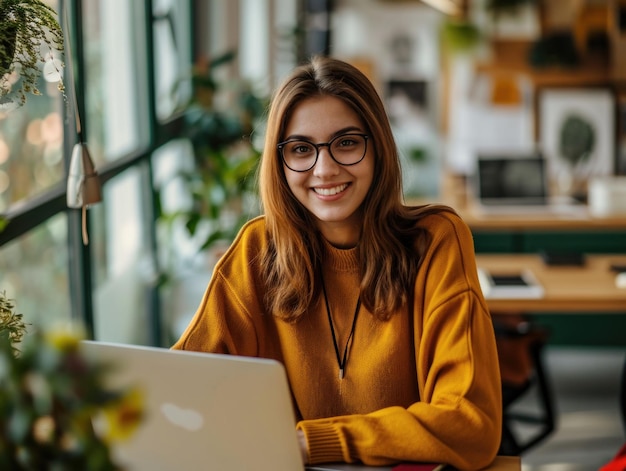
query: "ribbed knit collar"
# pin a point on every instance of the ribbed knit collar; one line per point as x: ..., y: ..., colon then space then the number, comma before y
x: 340, y: 259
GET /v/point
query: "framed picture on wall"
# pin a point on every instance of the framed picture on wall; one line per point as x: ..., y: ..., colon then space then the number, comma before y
x: 576, y: 135
x: 406, y: 97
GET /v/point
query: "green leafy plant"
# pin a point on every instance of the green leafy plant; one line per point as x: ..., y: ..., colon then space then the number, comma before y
x: 52, y: 398
x: 12, y: 325
x: 31, y: 40
x: 219, y: 121
x: 460, y: 35
x: 577, y: 139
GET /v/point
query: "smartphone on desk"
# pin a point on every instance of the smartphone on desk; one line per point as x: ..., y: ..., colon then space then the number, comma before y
x: 562, y: 258
x: 618, y: 267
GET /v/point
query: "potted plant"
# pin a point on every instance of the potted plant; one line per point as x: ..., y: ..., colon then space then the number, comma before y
x: 52, y: 399
x: 219, y: 121
x: 31, y: 40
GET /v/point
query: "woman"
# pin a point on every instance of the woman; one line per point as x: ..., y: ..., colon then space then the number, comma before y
x: 373, y: 307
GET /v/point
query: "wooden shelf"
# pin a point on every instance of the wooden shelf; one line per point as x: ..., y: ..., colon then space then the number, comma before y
x: 511, y: 58
x: 583, y: 76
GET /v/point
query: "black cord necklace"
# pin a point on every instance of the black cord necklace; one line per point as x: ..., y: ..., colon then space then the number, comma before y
x: 341, y: 361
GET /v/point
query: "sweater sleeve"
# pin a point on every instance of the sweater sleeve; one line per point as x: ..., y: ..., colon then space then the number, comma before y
x: 224, y: 321
x: 458, y: 418
x: 220, y: 324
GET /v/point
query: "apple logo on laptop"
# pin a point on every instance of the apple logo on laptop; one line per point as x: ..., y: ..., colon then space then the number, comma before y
x: 188, y: 419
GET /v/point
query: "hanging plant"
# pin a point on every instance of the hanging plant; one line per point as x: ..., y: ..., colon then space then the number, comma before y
x: 31, y: 42
x: 460, y: 35
x: 11, y: 323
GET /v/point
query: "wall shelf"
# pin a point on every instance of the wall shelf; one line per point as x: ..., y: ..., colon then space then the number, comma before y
x: 511, y: 58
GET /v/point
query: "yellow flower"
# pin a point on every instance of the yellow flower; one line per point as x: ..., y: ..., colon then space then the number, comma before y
x: 64, y: 339
x: 123, y: 416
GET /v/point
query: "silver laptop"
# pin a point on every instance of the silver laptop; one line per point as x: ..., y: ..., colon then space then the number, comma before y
x: 518, y: 184
x: 204, y: 411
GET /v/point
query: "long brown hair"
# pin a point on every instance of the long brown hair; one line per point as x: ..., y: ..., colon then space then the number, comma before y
x: 291, y: 264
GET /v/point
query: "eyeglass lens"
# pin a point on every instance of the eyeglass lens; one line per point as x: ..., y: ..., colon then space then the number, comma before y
x: 301, y: 155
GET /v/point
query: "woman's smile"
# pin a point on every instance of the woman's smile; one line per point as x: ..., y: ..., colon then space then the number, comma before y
x: 330, y: 191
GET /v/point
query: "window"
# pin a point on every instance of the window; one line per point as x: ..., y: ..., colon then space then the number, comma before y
x: 115, y: 61
x: 33, y: 272
x: 133, y: 64
x: 122, y: 260
x: 31, y: 144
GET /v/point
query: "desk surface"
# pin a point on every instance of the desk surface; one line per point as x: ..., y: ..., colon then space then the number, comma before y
x: 519, y: 220
x: 505, y: 463
x: 588, y: 288
x: 539, y: 221
x: 454, y: 192
x: 501, y: 463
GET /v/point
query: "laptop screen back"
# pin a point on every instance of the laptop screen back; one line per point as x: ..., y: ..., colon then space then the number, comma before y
x: 511, y: 180
x: 203, y: 411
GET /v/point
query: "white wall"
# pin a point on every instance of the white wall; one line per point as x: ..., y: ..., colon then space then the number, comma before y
x: 399, y: 42
x: 366, y: 28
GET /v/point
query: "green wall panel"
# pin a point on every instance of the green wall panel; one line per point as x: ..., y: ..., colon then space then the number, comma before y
x: 589, y: 242
x: 566, y: 329
x: 536, y: 241
x: 596, y: 330
x: 490, y: 242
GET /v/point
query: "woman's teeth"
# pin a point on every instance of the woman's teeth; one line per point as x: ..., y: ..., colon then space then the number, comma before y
x: 330, y: 191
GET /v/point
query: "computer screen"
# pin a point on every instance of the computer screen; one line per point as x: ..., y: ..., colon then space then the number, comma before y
x: 514, y: 179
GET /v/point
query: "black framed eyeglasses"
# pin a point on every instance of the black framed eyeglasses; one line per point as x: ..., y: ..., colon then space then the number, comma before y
x: 301, y: 155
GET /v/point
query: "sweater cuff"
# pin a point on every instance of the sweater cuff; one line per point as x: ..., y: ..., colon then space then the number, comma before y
x: 324, y: 442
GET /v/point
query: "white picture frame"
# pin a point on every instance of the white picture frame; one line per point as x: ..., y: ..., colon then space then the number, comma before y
x: 595, y: 109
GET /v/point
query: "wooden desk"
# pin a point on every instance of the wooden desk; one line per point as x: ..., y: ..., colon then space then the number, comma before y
x: 571, y: 289
x: 520, y: 232
x: 505, y: 463
x: 531, y: 234
x: 454, y: 193
x: 546, y: 221
x: 501, y: 463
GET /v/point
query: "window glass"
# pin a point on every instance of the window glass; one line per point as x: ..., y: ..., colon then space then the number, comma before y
x: 31, y: 143
x: 284, y: 39
x: 223, y: 27
x: 172, y: 55
x: 185, y: 270
x: 34, y: 273
x: 254, y: 43
x: 31, y: 150
x: 115, y: 69
x: 122, y: 262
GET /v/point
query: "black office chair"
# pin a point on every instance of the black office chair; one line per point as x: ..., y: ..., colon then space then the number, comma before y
x: 524, y: 378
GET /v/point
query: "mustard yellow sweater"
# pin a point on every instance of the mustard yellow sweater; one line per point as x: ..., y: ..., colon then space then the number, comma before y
x: 422, y: 386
